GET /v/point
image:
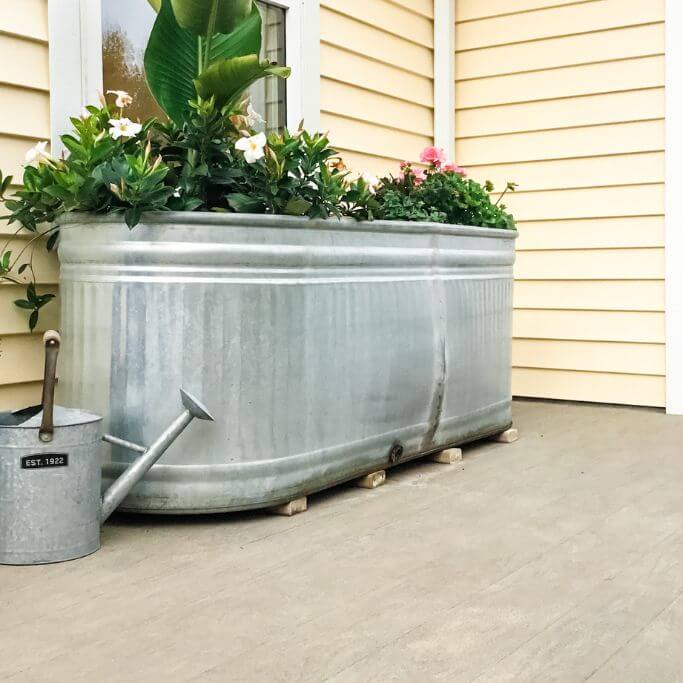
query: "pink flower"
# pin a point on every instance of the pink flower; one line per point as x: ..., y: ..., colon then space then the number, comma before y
x: 433, y: 155
x: 407, y: 169
x: 452, y: 166
x: 419, y: 175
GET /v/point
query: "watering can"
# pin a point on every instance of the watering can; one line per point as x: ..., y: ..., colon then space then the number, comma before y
x: 51, y: 509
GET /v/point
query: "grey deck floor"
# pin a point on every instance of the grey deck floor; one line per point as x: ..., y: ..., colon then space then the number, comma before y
x: 559, y: 557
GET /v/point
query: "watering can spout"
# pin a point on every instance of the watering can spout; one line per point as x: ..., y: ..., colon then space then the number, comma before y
x: 115, y: 494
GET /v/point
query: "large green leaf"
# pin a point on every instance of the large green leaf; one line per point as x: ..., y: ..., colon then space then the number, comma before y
x: 228, y: 79
x: 171, y: 62
x: 207, y: 17
x: 156, y: 4
x: 244, y: 40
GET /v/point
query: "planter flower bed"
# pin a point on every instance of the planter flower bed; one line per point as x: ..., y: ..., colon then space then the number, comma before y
x: 333, y: 323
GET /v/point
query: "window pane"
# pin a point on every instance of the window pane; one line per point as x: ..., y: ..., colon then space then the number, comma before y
x: 268, y: 94
x: 126, y: 25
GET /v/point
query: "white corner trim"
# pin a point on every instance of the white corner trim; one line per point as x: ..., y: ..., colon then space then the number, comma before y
x: 302, y: 55
x: 673, y: 224
x: 444, y: 76
x: 75, y: 40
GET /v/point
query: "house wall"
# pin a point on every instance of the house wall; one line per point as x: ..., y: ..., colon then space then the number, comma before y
x: 564, y: 97
x: 567, y: 99
x: 24, y: 120
x: 377, y: 88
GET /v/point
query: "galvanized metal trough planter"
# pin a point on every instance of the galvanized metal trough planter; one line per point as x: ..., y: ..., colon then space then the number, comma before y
x: 324, y: 349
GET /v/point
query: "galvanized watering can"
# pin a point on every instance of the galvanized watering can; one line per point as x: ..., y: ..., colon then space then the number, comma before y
x: 50, y: 474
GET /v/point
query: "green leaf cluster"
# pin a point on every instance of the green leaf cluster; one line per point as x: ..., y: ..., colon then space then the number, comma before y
x: 33, y: 302
x: 99, y: 175
x: 442, y: 197
x: 296, y: 177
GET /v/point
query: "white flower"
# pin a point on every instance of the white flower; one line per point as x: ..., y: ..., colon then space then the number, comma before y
x: 123, y: 99
x: 371, y: 181
x: 252, y: 147
x: 85, y: 114
x: 253, y: 117
x: 123, y: 128
x: 38, y: 154
x: 176, y: 192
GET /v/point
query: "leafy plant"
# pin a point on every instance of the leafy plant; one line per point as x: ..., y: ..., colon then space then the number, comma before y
x: 33, y: 302
x: 441, y: 195
x: 296, y: 177
x: 208, y: 48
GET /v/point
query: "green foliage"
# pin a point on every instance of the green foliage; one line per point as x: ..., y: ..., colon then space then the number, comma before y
x: 205, y: 47
x: 99, y: 175
x: 206, y: 17
x: 227, y: 79
x: 441, y: 197
x: 295, y: 177
x: 33, y: 302
x: 136, y: 182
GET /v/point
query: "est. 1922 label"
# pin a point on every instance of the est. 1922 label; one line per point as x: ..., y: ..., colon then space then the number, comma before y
x: 41, y: 460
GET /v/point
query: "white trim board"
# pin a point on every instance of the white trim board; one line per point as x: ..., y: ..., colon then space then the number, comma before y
x: 673, y: 240
x: 75, y: 38
x: 444, y: 76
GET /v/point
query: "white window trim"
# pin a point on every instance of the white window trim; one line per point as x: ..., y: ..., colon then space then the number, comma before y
x: 444, y: 76
x: 673, y: 222
x: 302, y: 55
x: 75, y: 38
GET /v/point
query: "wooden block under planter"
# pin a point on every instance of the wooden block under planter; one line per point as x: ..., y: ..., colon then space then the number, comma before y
x: 447, y: 457
x: 508, y: 436
x: 372, y: 480
x: 294, y: 507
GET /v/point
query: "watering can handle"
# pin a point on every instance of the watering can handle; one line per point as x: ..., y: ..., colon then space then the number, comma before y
x: 52, y: 340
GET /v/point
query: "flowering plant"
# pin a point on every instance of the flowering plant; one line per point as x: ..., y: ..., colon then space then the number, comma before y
x: 438, y: 193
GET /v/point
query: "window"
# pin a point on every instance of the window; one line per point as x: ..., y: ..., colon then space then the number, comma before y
x: 126, y: 25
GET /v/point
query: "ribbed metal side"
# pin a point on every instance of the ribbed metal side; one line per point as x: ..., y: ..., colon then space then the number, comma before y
x: 316, y: 344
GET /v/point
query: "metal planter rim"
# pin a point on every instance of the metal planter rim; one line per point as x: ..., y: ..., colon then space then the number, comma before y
x: 211, y: 218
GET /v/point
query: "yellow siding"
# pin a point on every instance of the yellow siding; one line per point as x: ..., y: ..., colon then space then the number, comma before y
x: 567, y: 99
x: 24, y: 120
x: 377, y: 80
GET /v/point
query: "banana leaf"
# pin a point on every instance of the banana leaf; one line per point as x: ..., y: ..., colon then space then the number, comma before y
x: 207, y: 17
x: 171, y: 57
x: 228, y: 79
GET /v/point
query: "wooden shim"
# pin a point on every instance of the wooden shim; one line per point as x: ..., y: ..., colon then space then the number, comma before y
x: 447, y: 457
x: 294, y: 507
x: 372, y: 480
x: 508, y: 436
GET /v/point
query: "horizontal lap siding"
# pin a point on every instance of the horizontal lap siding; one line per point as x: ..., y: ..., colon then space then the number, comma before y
x: 24, y: 120
x: 567, y: 99
x: 377, y: 80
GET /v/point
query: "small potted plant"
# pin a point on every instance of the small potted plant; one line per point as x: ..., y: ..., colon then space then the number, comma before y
x: 334, y: 323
